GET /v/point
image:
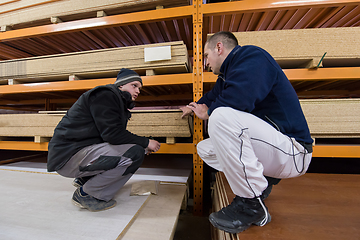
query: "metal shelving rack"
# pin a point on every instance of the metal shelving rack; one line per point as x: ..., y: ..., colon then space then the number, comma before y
x: 205, y: 18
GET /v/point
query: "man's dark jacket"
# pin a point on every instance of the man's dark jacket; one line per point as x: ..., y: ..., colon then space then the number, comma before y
x: 99, y: 115
x: 253, y: 82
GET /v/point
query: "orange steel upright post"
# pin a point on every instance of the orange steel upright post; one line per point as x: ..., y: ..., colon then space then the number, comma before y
x: 197, y: 91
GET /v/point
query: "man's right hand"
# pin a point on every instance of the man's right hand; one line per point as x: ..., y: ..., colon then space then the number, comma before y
x: 153, y: 146
x: 186, y: 111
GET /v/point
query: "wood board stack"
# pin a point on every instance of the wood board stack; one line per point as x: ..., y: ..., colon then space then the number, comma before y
x: 222, y: 197
x: 129, y: 219
x: 306, y: 47
x: 155, y: 123
x: 332, y: 118
x: 327, y: 118
x: 313, y: 206
x: 29, y: 11
x: 94, y: 64
x: 159, y: 123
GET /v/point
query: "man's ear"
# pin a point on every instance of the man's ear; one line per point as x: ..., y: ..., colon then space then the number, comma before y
x: 220, y: 47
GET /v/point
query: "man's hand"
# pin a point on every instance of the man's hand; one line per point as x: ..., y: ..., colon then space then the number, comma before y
x: 153, y: 146
x: 186, y: 111
x: 199, y: 109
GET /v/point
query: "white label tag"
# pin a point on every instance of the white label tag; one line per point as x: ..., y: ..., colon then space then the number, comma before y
x: 157, y: 53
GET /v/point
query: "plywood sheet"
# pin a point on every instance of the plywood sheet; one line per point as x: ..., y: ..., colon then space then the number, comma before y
x: 296, y: 47
x: 38, y: 206
x: 24, y: 11
x: 165, y: 123
x: 158, y: 218
x: 95, y: 63
x: 332, y: 117
x: 313, y: 206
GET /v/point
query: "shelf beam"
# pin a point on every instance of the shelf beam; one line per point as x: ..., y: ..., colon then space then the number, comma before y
x: 96, y: 23
x: 156, y: 80
x: 177, y: 148
x: 323, y: 74
x: 326, y: 151
x: 267, y: 5
x: 336, y: 151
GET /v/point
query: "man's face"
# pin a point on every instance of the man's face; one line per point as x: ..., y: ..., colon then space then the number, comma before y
x: 212, y: 59
x: 133, y: 88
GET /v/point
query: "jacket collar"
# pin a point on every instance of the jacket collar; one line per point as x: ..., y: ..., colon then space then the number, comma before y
x: 228, y: 59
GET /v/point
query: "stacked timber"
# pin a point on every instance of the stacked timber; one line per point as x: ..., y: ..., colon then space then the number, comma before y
x: 306, y: 47
x: 327, y: 118
x: 155, y: 123
x: 332, y: 118
x: 95, y: 63
x: 39, y: 126
x: 30, y: 11
x: 222, y: 196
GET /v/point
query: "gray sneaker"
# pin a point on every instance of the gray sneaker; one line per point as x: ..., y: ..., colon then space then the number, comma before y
x: 90, y: 203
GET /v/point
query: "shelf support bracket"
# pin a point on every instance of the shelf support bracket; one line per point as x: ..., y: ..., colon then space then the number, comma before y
x: 197, y: 77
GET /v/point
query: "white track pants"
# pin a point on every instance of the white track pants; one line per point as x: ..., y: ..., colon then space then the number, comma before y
x: 246, y: 148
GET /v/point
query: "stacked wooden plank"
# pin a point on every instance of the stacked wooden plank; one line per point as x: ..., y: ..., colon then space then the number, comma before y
x: 222, y: 197
x: 159, y: 123
x: 93, y: 64
x: 27, y: 11
x: 306, y: 47
x: 335, y: 118
x: 332, y: 118
x: 156, y: 123
x: 313, y: 206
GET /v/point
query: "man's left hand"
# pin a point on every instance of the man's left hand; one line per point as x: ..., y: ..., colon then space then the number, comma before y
x: 199, y: 109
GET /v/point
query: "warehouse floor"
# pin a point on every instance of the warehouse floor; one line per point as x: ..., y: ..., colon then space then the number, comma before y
x: 22, y: 182
x: 189, y: 226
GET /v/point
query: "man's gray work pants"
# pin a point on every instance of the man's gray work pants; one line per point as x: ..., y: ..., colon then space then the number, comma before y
x: 110, y: 165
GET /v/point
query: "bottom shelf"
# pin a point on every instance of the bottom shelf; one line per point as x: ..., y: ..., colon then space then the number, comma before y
x: 337, y: 151
x: 340, y: 151
x: 177, y: 148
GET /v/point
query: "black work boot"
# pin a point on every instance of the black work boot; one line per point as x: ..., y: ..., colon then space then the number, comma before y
x: 240, y: 215
x: 90, y: 203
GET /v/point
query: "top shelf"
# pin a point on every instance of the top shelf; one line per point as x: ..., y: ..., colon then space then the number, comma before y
x: 175, y: 24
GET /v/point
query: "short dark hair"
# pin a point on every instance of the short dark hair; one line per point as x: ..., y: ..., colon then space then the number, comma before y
x: 227, y: 38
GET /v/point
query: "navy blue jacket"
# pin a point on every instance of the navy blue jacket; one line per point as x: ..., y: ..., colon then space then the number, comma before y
x: 99, y: 115
x: 253, y: 82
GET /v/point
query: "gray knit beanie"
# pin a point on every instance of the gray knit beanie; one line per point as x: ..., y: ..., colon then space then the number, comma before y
x: 125, y: 76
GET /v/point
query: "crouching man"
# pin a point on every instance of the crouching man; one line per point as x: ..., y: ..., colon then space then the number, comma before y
x: 92, y: 145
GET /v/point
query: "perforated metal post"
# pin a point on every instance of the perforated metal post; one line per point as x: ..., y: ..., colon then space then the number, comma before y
x: 198, y: 92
